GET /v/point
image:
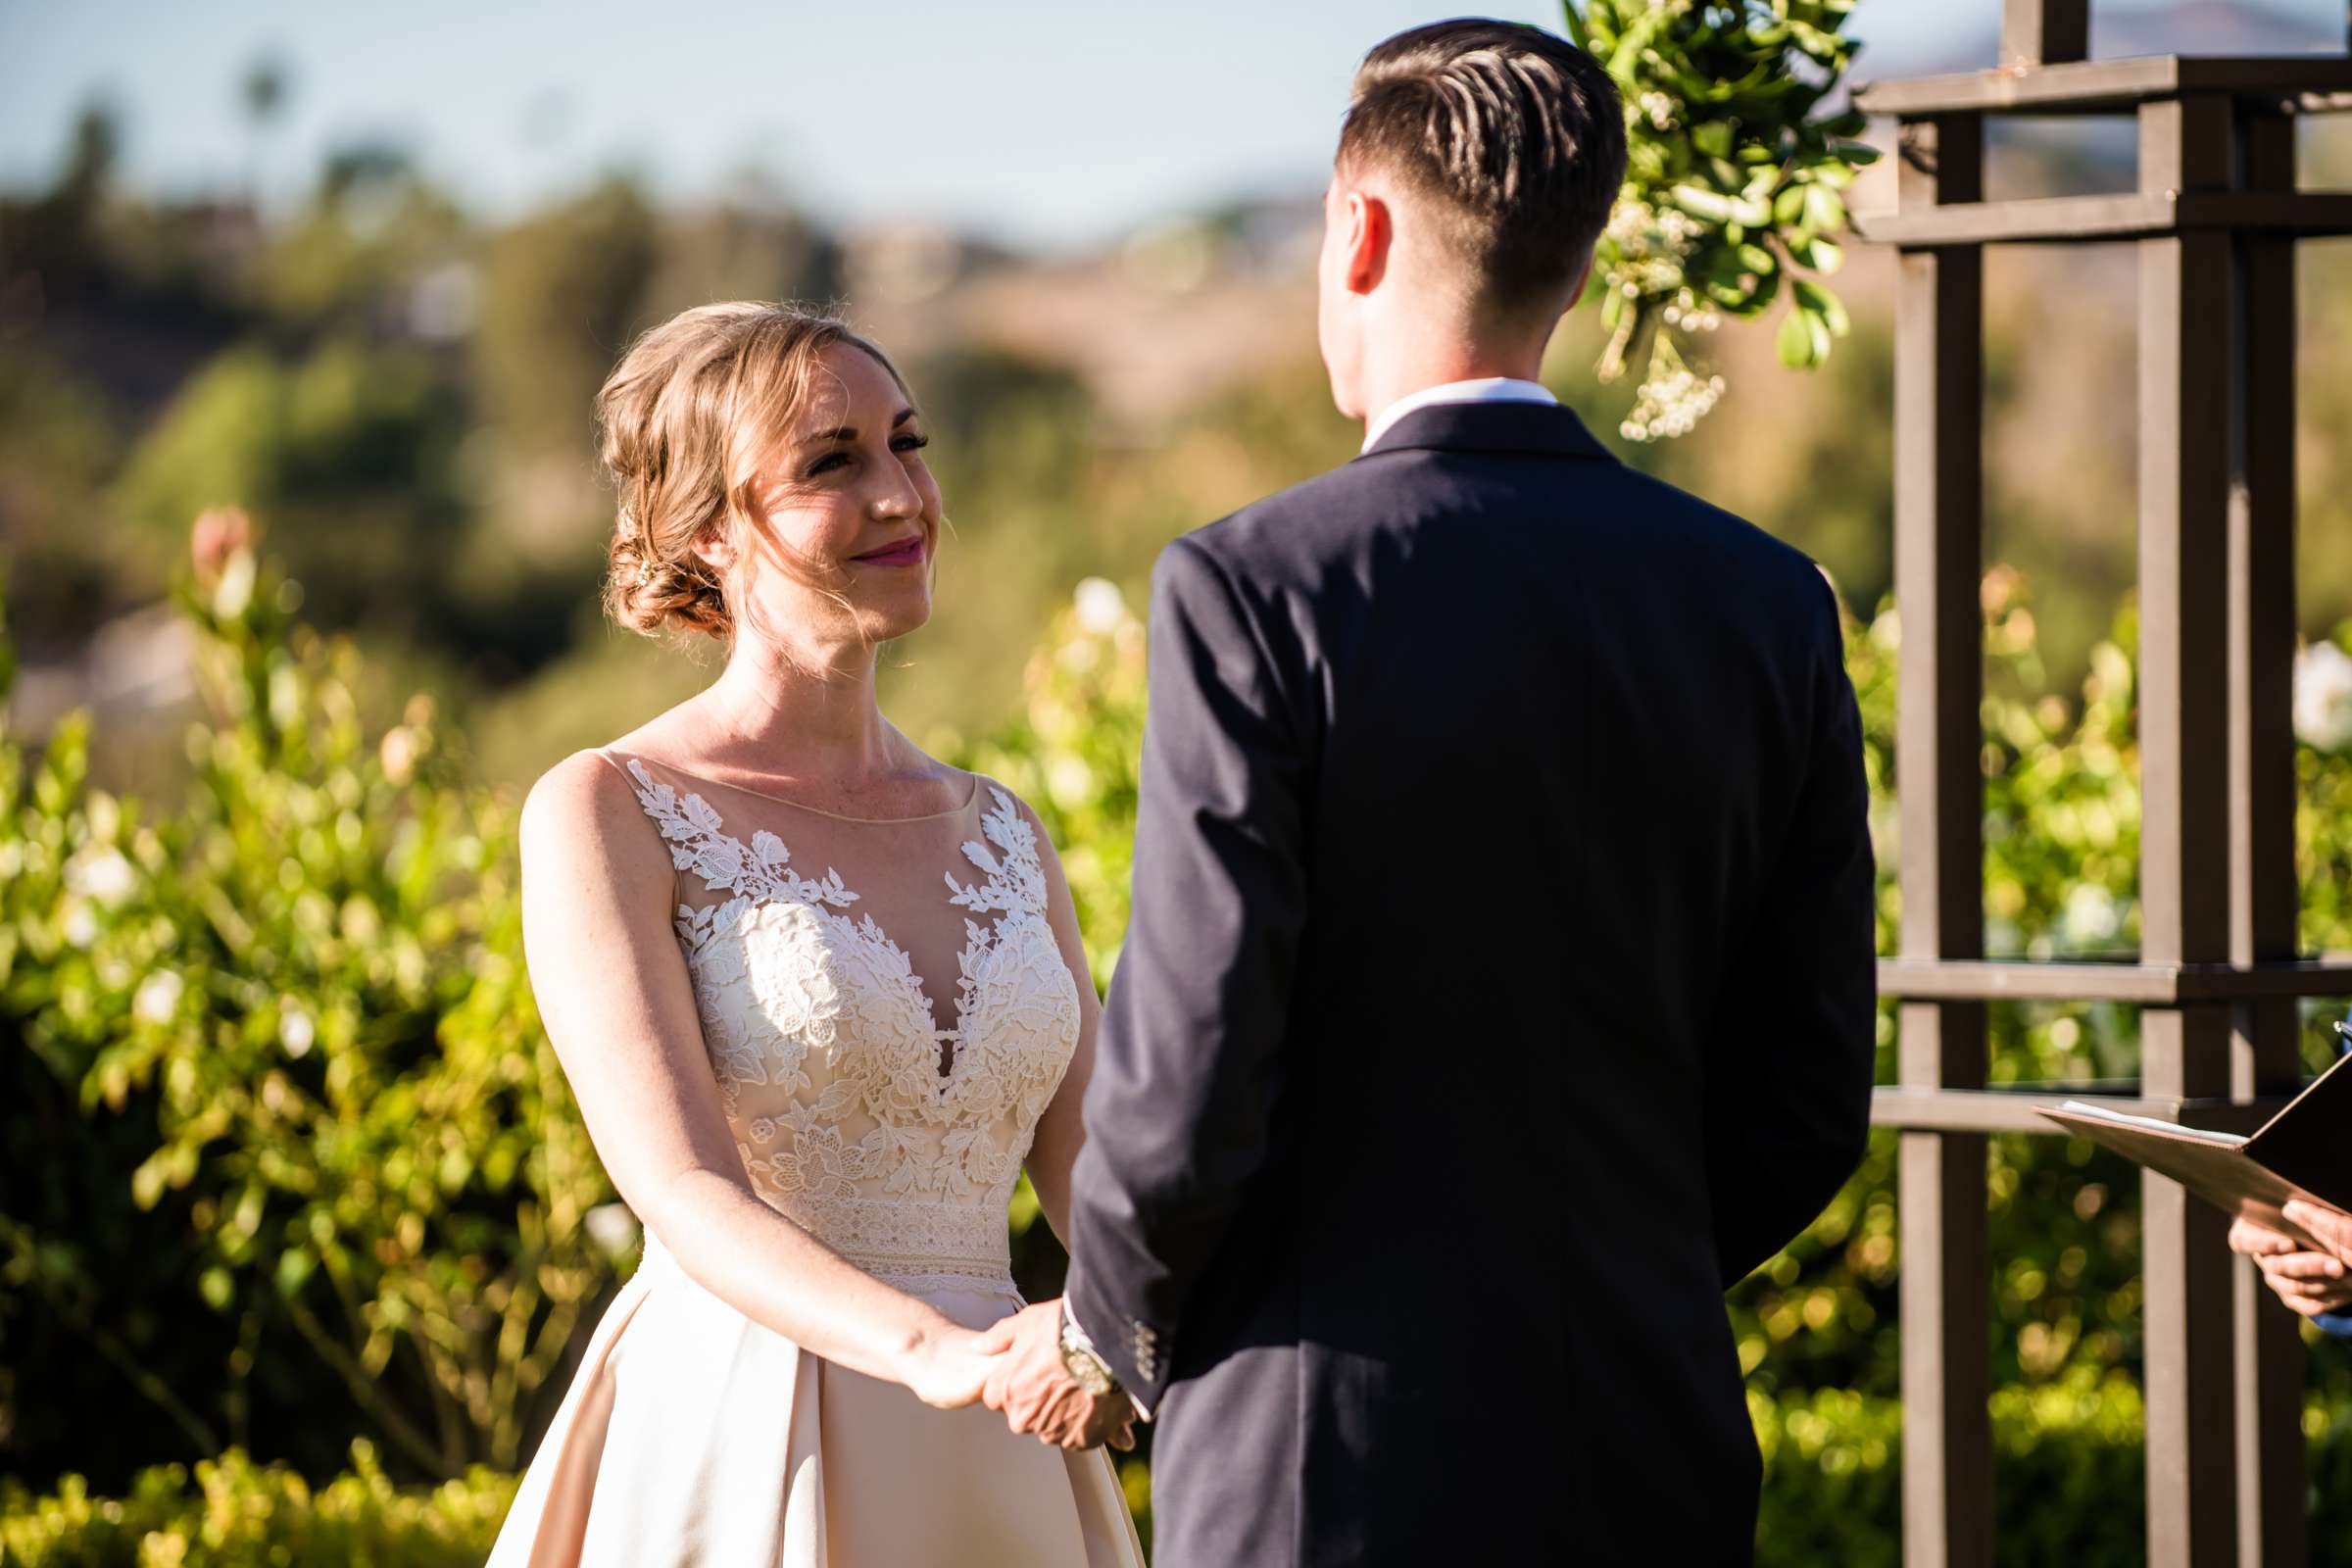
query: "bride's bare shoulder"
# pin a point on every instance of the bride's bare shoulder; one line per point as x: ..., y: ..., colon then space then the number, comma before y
x: 584, y: 809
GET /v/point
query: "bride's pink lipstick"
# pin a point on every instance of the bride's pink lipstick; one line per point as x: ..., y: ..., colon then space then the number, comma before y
x: 908, y: 551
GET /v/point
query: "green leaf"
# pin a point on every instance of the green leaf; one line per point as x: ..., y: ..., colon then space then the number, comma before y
x: 1700, y: 202
x: 218, y: 1288
x: 294, y: 1266
x: 1796, y: 342
x: 1821, y: 254
x: 1757, y: 260
x: 1818, y: 301
x: 1713, y: 137
x: 1714, y: 263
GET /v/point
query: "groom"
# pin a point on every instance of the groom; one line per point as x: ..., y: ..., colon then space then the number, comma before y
x: 1499, y: 987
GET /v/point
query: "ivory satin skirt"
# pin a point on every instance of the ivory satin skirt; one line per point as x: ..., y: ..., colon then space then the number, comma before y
x: 692, y: 1436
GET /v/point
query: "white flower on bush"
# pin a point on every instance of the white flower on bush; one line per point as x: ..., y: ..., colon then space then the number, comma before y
x: 1069, y: 781
x: 157, y: 997
x: 2092, y: 918
x: 295, y: 1031
x: 80, y: 925
x: 104, y: 874
x: 613, y: 1228
x: 1101, y: 607
x: 2324, y: 697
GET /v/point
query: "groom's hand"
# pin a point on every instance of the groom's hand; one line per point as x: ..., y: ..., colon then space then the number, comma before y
x: 1035, y: 1393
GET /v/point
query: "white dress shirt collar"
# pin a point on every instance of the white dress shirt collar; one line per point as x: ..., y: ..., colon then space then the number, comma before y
x: 1489, y: 389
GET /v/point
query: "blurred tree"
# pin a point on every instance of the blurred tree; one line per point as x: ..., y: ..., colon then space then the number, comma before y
x: 54, y: 238
x: 349, y: 449
x: 354, y: 257
x: 262, y: 91
x: 562, y: 294
x: 756, y: 248
x: 57, y: 445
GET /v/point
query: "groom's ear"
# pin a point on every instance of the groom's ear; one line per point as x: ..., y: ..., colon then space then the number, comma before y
x: 1584, y: 280
x: 1371, y: 231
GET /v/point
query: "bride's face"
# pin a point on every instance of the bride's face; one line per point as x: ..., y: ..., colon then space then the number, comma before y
x: 838, y: 552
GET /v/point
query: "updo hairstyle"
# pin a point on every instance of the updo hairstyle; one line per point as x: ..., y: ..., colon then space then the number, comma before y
x: 686, y: 419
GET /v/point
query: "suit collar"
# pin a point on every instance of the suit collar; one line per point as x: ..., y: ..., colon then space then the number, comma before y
x: 1537, y: 427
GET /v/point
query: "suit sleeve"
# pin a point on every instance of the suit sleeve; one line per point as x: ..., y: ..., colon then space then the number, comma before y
x: 1788, y: 1074
x: 1191, y: 1057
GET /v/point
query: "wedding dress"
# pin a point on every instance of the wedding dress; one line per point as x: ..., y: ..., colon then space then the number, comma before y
x: 691, y: 1434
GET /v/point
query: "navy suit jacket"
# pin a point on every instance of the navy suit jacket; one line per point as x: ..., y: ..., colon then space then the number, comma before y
x: 1499, y: 989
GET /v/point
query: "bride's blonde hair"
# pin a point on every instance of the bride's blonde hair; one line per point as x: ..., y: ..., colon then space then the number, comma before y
x: 686, y: 419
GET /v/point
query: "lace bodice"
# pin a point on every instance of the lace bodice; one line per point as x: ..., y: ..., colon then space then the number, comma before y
x: 892, y: 1138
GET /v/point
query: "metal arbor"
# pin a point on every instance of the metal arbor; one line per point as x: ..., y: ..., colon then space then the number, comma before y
x: 2215, y: 220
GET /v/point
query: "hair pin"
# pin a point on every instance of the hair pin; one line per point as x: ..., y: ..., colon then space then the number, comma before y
x: 644, y: 565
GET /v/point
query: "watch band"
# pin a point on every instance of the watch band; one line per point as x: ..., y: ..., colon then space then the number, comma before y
x: 1081, y: 1360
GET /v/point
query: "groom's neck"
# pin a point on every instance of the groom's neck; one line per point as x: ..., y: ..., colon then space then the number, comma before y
x: 1414, y: 357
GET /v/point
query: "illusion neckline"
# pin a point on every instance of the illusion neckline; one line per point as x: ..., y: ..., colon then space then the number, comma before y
x: 971, y: 796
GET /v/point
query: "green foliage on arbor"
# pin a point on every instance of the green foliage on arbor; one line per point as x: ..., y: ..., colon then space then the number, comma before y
x: 1734, y: 182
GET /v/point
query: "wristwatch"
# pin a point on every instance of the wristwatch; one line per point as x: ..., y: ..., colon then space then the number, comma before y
x: 1081, y: 1360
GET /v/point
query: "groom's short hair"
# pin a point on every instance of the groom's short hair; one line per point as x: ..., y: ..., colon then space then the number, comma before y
x: 1516, y: 136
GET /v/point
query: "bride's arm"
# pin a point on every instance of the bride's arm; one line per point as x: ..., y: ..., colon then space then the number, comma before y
x: 614, y: 993
x: 1059, y: 1132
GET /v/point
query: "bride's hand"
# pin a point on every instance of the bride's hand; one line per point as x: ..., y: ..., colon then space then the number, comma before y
x: 947, y: 1368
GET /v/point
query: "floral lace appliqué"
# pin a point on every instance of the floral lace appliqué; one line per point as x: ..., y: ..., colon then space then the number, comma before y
x: 827, y: 1051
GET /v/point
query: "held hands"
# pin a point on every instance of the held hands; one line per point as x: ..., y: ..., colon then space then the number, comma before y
x: 2309, y: 1282
x: 948, y: 1367
x: 1028, y: 1385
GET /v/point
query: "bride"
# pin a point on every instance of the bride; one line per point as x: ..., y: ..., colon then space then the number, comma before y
x: 746, y: 921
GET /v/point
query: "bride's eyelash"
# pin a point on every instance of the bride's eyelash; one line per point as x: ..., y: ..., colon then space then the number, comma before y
x: 833, y: 460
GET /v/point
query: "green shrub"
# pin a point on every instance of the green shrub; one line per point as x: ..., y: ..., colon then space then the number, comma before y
x: 288, y: 1159
x: 292, y: 1155
x: 2068, y: 1479
x: 233, y: 1513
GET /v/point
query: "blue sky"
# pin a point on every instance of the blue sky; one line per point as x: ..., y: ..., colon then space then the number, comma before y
x: 1044, y: 123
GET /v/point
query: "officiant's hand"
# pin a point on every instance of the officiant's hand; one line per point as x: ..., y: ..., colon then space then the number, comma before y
x: 1035, y: 1393
x: 2310, y: 1282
